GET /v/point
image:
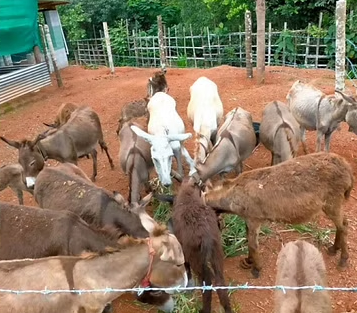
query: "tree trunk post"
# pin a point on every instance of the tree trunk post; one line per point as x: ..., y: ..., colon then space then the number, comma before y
x: 340, y: 44
x: 53, y: 55
x: 161, y: 43
x: 109, y: 48
x: 260, y: 9
x: 248, y: 44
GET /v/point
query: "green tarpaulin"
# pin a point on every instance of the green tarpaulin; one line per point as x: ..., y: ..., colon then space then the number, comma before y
x: 18, y: 26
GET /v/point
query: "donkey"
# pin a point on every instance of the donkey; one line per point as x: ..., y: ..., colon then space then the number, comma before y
x: 135, y: 158
x: 138, y: 108
x: 205, y: 111
x: 64, y: 233
x: 165, y: 134
x: 157, y: 261
x: 196, y: 227
x: 293, y: 192
x: 11, y: 176
x: 57, y: 188
x: 301, y: 264
x: 314, y: 110
x: 63, y: 114
x: 78, y: 137
x: 236, y: 140
x: 279, y: 132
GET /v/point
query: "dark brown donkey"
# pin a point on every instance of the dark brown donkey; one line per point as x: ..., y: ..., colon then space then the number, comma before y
x: 196, y: 227
x: 78, y: 137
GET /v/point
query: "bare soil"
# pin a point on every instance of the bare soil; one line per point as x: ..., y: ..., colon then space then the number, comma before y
x: 107, y: 93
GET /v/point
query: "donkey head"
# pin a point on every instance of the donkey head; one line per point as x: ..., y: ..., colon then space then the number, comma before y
x: 351, y: 115
x: 161, y: 151
x: 30, y: 157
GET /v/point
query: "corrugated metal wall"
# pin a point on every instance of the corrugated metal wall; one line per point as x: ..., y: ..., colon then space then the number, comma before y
x: 22, y: 81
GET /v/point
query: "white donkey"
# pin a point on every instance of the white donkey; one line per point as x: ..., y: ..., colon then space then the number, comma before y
x: 205, y: 110
x: 166, y: 132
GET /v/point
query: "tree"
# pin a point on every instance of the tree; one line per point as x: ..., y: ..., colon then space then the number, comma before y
x: 74, y: 19
x: 260, y: 11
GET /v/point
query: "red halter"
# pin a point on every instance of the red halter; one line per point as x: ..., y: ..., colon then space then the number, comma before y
x: 146, y: 281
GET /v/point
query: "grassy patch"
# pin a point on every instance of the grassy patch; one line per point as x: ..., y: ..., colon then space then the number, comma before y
x: 162, y: 210
x: 234, y: 237
x: 320, y: 235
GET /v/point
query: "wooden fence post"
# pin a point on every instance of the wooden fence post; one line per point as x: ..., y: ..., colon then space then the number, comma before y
x: 248, y: 44
x: 109, y: 48
x: 340, y: 44
x: 307, y: 50
x: 260, y: 10
x: 269, y: 45
x: 193, y: 46
x: 53, y: 56
x: 318, y: 43
x: 284, y: 42
x: 161, y: 43
x: 135, y: 48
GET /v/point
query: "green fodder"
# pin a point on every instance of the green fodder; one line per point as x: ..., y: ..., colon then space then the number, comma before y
x: 234, y: 237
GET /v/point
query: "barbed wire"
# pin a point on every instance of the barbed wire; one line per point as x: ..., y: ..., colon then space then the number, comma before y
x: 140, y: 290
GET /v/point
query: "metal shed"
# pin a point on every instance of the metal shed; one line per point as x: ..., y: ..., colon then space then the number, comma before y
x: 23, y: 68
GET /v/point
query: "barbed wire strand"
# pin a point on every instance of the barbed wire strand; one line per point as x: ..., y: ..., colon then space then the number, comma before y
x: 204, y: 288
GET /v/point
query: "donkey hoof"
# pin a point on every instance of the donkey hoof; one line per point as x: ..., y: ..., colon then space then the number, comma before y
x: 255, y: 272
x: 112, y: 166
x: 246, y: 263
x: 342, y: 264
x: 332, y: 250
x: 108, y: 308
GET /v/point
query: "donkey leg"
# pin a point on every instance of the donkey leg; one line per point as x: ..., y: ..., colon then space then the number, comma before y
x: 189, y: 160
x: 340, y: 239
x: 104, y: 147
x: 20, y: 195
x: 253, y: 246
x: 95, y: 162
x: 327, y: 140
x: 177, y: 154
x: 303, y: 139
x: 207, y: 295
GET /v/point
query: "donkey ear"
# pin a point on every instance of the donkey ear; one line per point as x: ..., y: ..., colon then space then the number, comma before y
x: 351, y: 100
x: 37, y: 139
x: 146, y: 200
x: 179, y: 137
x: 147, y: 137
x: 11, y: 143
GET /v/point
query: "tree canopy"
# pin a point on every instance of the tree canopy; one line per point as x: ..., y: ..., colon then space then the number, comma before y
x: 80, y: 17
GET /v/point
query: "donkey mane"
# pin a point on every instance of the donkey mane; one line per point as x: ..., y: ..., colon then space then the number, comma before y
x: 124, y: 243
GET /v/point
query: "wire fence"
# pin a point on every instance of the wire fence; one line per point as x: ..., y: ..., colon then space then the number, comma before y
x: 140, y: 290
x: 294, y: 48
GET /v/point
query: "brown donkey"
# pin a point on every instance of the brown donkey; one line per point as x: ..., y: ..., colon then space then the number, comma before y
x: 292, y: 192
x: 157, y: 261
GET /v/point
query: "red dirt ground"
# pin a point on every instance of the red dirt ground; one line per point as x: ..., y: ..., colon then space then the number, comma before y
x: 108, y: 93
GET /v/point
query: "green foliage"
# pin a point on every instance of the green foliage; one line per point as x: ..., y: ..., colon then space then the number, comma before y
x: 182, y: 61
x: 286, y: 46
x: 145, y: 12
x: 320, y: 235
x: 234, y: 237
x: 73, y: 19
x: 316, y: 31
x: 118, y: 38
